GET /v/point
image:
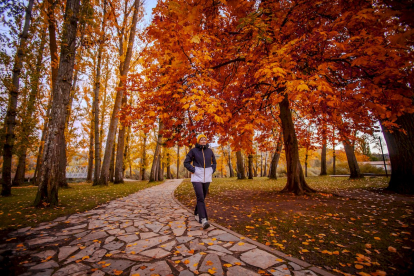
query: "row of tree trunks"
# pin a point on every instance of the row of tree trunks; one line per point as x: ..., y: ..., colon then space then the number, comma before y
x: 10, y: 119
x: 125, y: 61
x: 50, y: 170
x: 27, y: 129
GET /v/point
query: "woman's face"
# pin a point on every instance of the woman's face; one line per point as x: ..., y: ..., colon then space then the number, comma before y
x: 203, y: 141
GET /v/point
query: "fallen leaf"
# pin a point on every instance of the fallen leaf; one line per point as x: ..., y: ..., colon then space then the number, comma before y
x: 357, y: 266
x: 392, y: 249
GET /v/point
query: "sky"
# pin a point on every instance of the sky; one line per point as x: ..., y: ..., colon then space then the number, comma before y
x: 149, y: 5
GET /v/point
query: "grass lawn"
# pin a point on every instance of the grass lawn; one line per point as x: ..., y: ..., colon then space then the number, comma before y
x: 350, y: 226
x: 17, y: 211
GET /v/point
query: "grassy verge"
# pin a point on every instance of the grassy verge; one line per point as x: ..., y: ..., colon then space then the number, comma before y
x: 349, y: 227
x: 17, y: 211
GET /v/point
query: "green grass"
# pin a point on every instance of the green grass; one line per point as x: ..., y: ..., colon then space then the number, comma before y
x: 327, y: 229
x: 17, y: 211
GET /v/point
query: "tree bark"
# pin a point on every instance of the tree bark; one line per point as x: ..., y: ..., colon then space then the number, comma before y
x: 91, y: 143
x: 169, y: 176
x: 97, y: 88
x: 323, y: 156
x: 275, y: 159
x: 144, y: 157
x: 401, y: 152
x: 250, y: 166
x: 178, y: 161
x: 352, y: 162
x: 49, y: 174
x: 119, y: 172
x: 112, y: 165
x: 230, y: 166
x: 10, y: 119
x: 160, y: 167
x: 110, y: 140
x: 240, y: 168
x: 295, y: 180
x: 154, y: 176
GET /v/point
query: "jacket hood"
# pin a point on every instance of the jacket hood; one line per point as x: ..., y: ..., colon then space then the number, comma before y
x: 202, y: 147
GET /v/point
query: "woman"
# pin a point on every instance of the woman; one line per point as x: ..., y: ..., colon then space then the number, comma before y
x: 204, y: 165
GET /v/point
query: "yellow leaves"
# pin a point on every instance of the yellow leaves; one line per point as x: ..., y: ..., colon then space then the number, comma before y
x: 377, y: 238
x: 211, y: 271
x: 302, y: 87
x: 237, y: 263
x: 117, y: 272
x: 368, y: 245
x: 178, y: 261
x: 20, y: 245
x: 186, y: 262
x: 326, y: 252
x: 227, y: 265
x: 209, y: 263
x: 358, y: 266
x: 304, y: 250
x: 260, y: 271
x: 392, y: 249
x: 305, y: 243
x: 85, y: 257
x: 108, y: 255
x: 195, y: 39
x: 241, y: 243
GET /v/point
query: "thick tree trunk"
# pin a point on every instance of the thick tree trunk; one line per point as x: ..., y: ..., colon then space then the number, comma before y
x: 240, y: 168
x: 323, y: 157
x: 265, y: 165
x: 275, y: 159
x: 10, y: 119
x: 110, y: 140
x: 49, y: 174
x: 119, y: 172
x: 20, y: 171
x: 352, y: 162
x: 127, y: 159
x: 154, y: 175
x: 295, y: 180
x: 261, y: 164
x: 19, y: 177
x: 160, y: 168
x: 250, y: 166
x: 144, y: 157
x: 401, y: 152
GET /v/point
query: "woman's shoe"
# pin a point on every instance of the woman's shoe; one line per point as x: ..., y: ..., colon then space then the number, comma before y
x: 205, y: 223
x: 197, y: 218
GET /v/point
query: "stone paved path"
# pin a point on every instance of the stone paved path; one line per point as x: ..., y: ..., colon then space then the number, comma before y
x: 146, y: 233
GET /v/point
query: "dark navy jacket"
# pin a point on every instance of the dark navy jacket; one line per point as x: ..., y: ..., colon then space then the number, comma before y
x: 204, y: 163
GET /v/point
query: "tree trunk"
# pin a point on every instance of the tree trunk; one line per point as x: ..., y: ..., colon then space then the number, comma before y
x: 91, y: 143
x: 240, y: 168
x: 275, y: 159
x: 20, y: 171
x: 250, y: 166
x: 112, y: 165
x: 178, y: 161
x: 160, y: 167
x: 127, y: 159
x: 110, y: 140
x: 352, y: 162
x: 261, y: 164
x: 144, y: 158
x: 119, y: 175
x: 401, y: 152
x: 230, y: 166
x: 265, y: 165
x: 19, y: 177
x: 10, y: 119
x: 49, y: 174
x: 295, y: 180
x: 97, y: 88
x: 154, y: 168
x: 169, y: 176
x: 323, y: 156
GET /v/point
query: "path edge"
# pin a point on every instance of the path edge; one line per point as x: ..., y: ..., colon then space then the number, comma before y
x: 258, y: 244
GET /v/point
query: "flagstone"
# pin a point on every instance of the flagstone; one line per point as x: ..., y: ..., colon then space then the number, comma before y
x: 45, y: 265
x: 259, y: 258
x: 232, y: 260
x: 156, y: 253
x: 212, y: 261
x: 241, y: 246
x: 148, y: 269
x: 193, y: 261
x: 128, y: 238
x: 142, y: 245
x: 65, y: 251
x: 238, y: 270
x: 71, y: 269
